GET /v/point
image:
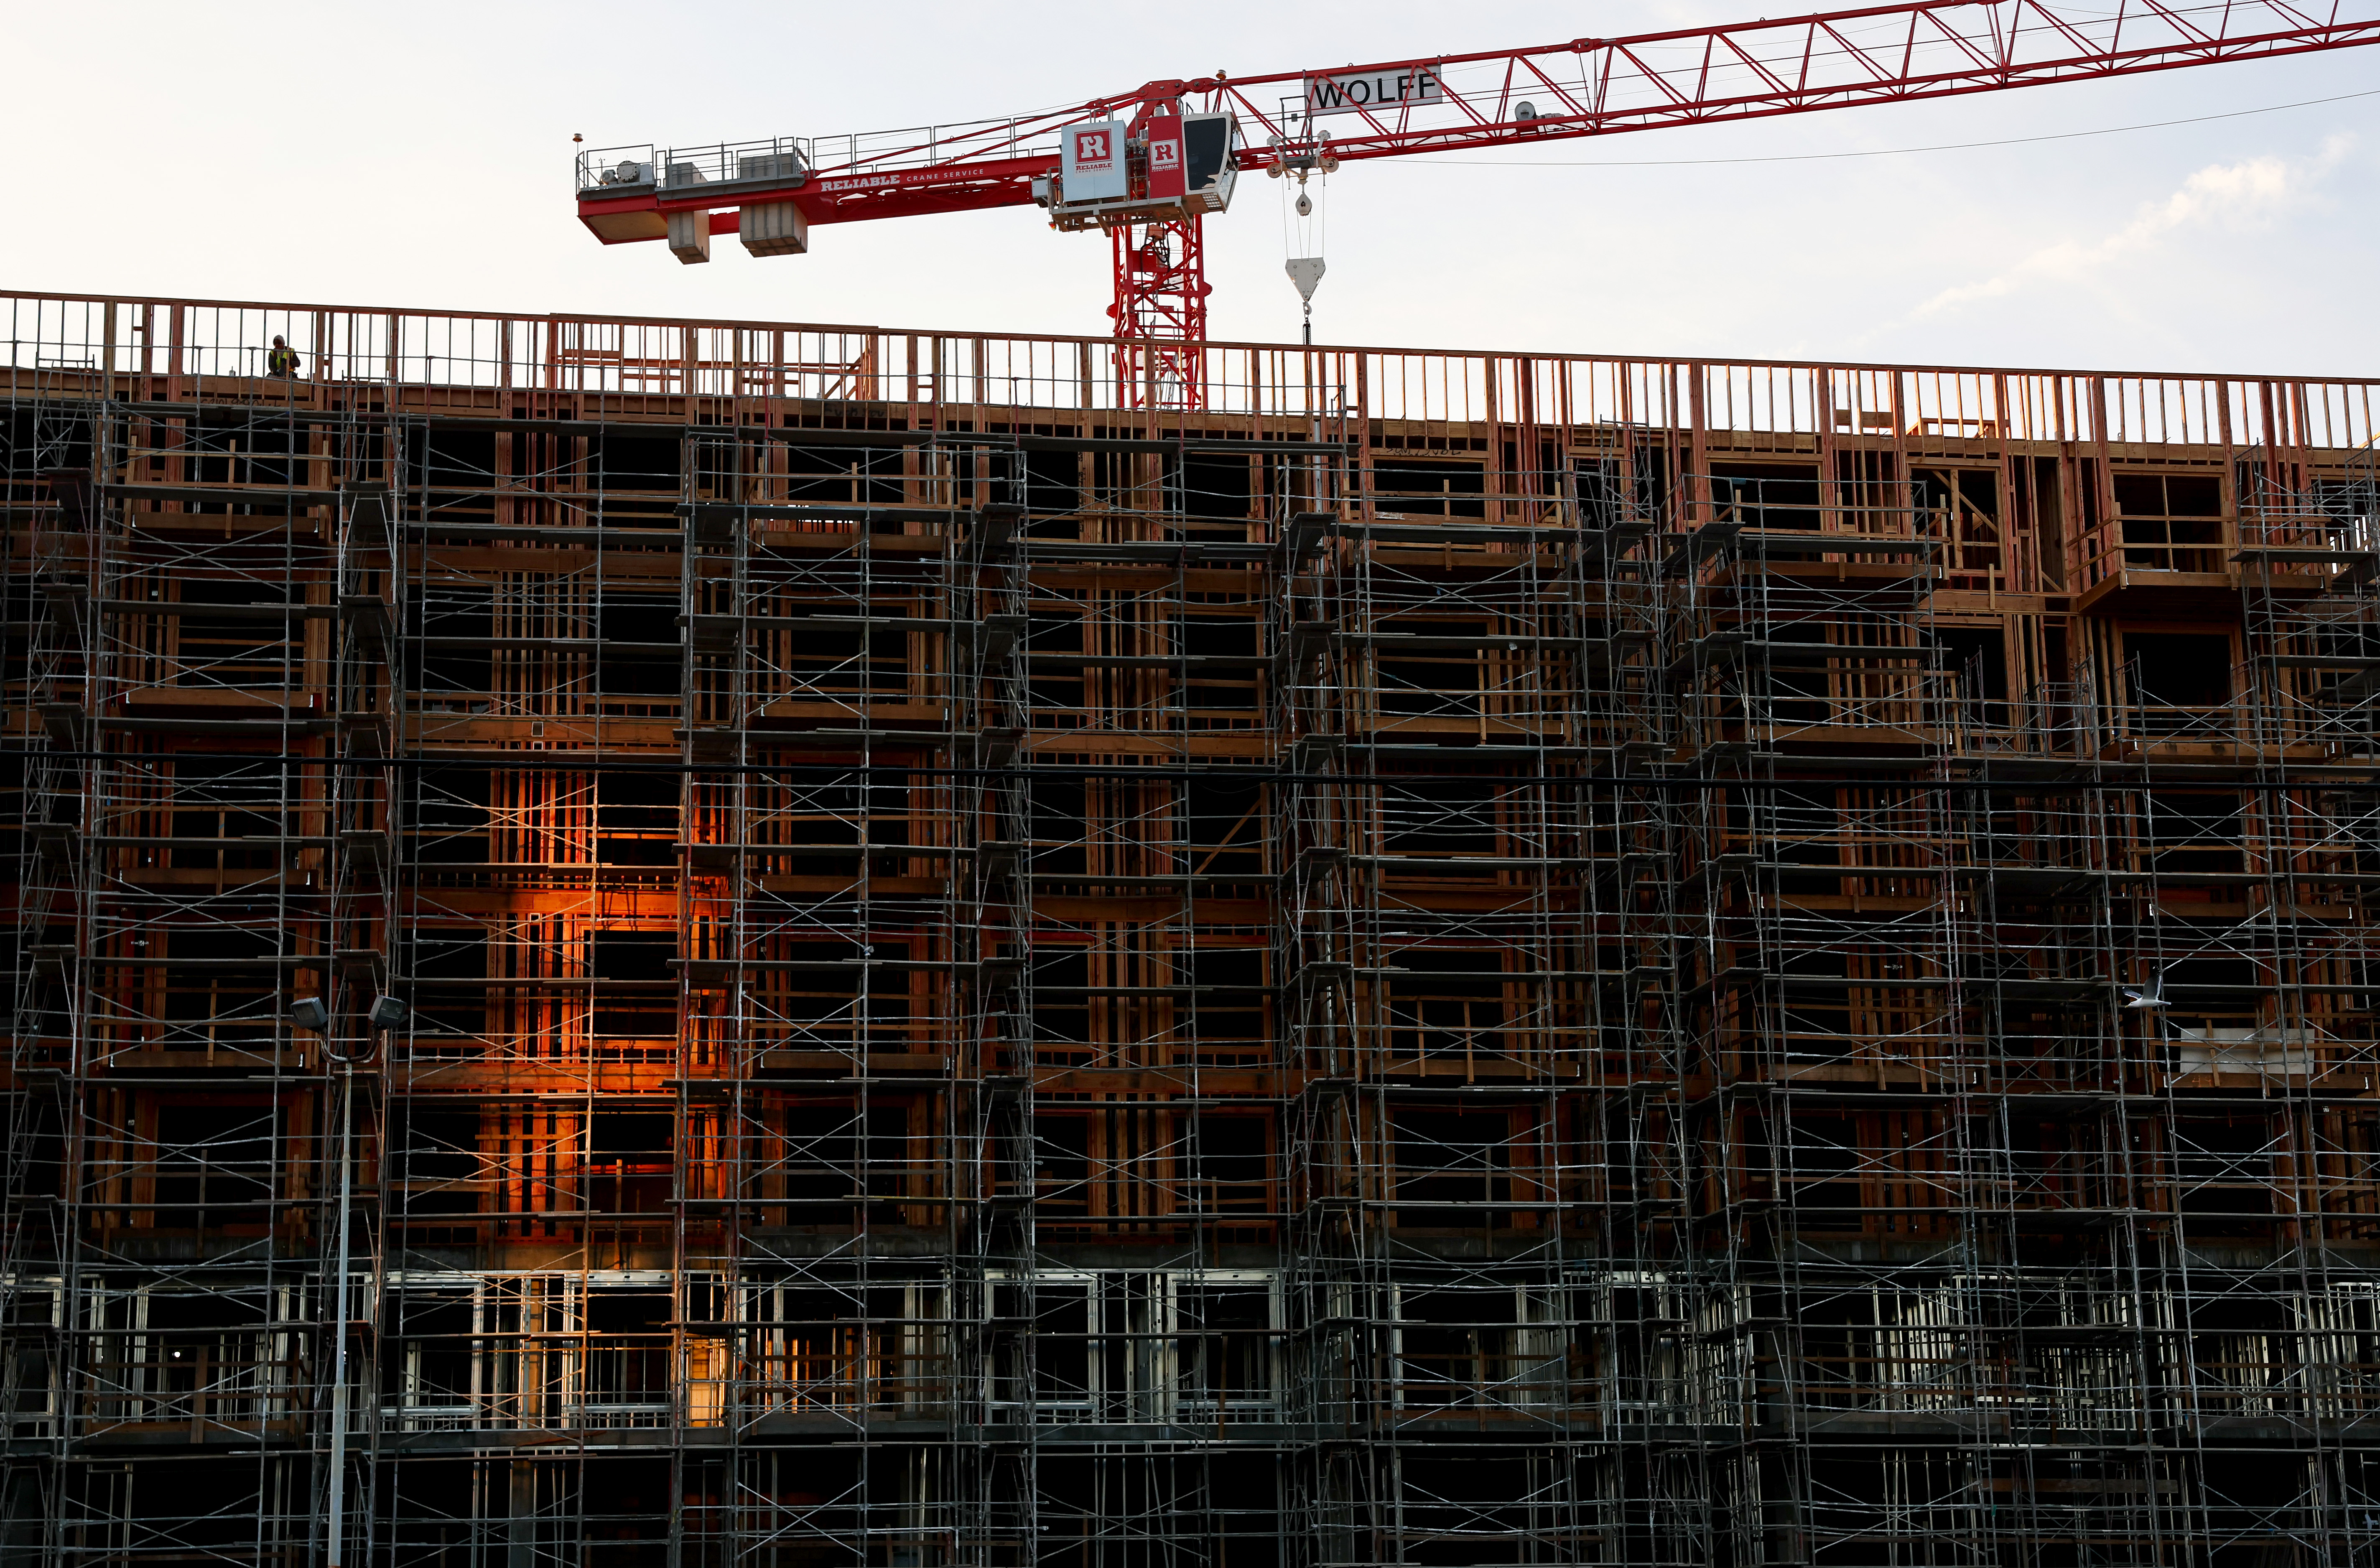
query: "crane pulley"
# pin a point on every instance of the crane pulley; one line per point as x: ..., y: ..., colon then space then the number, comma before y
x: 1147, y: 166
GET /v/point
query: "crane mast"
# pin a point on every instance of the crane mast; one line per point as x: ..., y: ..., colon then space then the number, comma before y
x: 770, y: 193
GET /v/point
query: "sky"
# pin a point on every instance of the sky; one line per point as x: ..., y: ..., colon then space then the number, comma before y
x: 420, y: 156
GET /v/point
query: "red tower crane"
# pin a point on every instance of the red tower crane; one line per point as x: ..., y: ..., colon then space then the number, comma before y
x: 1148, y: 165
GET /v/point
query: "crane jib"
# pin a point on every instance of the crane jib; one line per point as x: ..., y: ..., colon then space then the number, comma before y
x: 1146, y: 166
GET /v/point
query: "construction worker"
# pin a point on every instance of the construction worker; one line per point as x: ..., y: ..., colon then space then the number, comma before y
x: 283, y: 359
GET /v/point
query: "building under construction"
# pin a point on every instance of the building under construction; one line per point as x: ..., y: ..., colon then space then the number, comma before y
x: 909, y: 956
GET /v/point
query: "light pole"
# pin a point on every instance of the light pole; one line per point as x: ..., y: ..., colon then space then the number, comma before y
x: 387, y: 1014
x: 338, y: 1512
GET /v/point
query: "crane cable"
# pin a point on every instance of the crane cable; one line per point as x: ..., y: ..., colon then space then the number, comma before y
x: 1303, y: 232
x: 1425, y: 161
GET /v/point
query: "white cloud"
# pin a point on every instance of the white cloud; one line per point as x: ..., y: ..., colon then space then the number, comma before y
x: 2236, y: 197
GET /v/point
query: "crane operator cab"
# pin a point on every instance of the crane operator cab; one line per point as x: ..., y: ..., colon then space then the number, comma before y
x: 1180, y: 166
x: 1207, y: 169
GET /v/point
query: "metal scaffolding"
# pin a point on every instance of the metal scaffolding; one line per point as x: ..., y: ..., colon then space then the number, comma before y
x: 1448, y: 959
